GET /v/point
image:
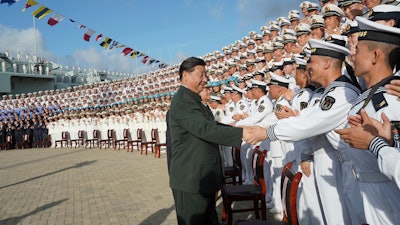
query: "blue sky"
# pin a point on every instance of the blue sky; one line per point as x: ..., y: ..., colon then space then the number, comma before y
x: 166, y: 30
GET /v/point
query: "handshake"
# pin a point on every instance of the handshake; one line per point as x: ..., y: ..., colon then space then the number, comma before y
x: 254, y: 135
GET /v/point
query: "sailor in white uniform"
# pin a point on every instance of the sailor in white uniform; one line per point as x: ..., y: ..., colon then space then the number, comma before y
x: 336, y: 101
x: 377, y: 52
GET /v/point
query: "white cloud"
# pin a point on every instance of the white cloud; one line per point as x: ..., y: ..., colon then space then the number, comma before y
x: 23, y: 41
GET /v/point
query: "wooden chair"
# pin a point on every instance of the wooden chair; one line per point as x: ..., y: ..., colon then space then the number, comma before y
x: 248, y: 192
x: 158, y: 145
x: 234, y: 172
x: 110, y: 140
x: 96, y: 139
x: 138, y: 141
x: 150, y: 143
x: 26, y: 142
x: 124, y: 141
x: 80, y: 140
x: 289, y: 186
x: 64, y: 139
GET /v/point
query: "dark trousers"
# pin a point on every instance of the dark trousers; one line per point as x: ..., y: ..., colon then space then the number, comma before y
x: 195, y: 208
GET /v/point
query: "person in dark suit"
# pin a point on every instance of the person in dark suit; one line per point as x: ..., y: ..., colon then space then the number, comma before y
x: 168, y: 143
x: 196, y: 171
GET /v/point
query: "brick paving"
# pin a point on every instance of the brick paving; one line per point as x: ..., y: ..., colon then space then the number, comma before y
x: 85, y: 186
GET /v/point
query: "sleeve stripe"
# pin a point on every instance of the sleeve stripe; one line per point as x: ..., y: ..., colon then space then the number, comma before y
x: 376, y: 145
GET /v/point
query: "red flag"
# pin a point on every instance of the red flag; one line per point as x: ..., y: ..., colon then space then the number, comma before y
x: 144, y: 60
x: 56, y: 18
x: 99, y: 36
x: 126, y: 51
x: 88, y: 34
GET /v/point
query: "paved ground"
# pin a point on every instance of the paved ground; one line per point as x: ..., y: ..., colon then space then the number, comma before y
x: 85, y: 186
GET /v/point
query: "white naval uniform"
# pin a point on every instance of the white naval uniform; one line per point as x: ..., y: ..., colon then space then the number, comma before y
x: 280, y: 152
x: 388, y: 158
x: 259, y: 109
x: 381, y: 196
x: 308, y: 206
x: 229, y: 112
x: 323, y: 118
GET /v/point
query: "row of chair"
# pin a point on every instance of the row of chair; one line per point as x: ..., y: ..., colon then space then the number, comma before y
x: 111, y: 140
x: 256, y: 192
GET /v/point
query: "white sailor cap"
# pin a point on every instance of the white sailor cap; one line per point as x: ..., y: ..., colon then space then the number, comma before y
x: 260, y: 59
x: 252, y: 33
x: 245, y: 39
x: 259, y: 73
x: 346, y: 3
x: 331, y: 10
x: 284, y: 22
x: 276, y: 66
x: 324, y: 48
x: 237, y: 90
x: 268, y: 49
x: 251, y: 42
x: 372, y: 31
x: 259, y: 49
x: 266, y: 32
x: 258, y: 84
x: 257, y: 37
x: 288, y: 39
x: 274, y: 27
x: 293, y: 16
x: 312, y: 6
x: 290, y: 32
x: 227, y: 89
x: 277, y: 45
x: 300, y: 63
x: 304, y: 4
x: 278, y: 80
x: 287, y: 61
x: 385, y: 12
x: 215, y: 98
x: 302, y: 28
x: 262, y: 28
x: 316, y: 21
x: 294, y: 11
x: 351, y: 28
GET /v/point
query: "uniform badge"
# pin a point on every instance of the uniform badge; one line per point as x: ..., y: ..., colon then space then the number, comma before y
x: 241, y: 107
x: 278, y: 108
x: 303, y: 105
x: 261, y: 108
x: 395, y: 132
x: 327, y: 103
x: 379, y: 101
x: 231, y: 109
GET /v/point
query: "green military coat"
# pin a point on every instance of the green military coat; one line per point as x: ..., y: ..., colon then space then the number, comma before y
x: 196, y: 162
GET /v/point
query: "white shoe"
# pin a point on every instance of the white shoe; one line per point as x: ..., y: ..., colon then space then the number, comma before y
x: 275, y: 210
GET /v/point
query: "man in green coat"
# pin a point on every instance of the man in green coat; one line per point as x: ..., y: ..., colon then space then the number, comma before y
x: 196, y: 172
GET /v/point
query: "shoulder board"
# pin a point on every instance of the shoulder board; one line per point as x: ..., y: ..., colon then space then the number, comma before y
x: 379, y: 101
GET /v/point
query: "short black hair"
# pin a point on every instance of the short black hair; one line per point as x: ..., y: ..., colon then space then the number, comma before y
x: 189, y: 64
